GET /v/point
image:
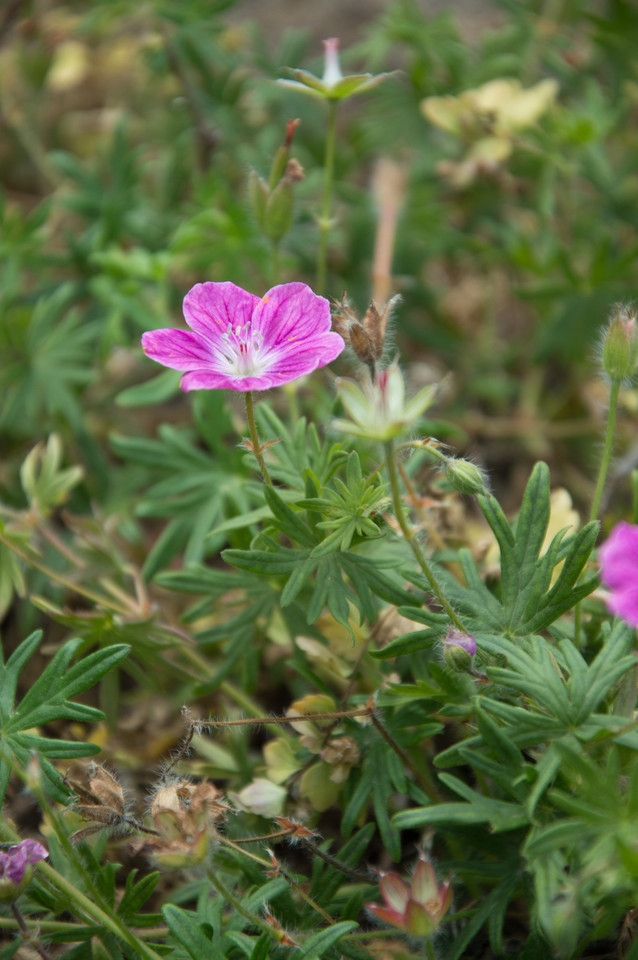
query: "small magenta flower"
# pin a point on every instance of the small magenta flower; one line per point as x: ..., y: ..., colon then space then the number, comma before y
x: 417, y: 908
x: 458, y: 649
x: 619, y: 571
x: 238, y: 341
x: 15, y: 867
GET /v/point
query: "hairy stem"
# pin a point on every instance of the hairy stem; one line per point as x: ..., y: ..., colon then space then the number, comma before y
x: 326, y: 201
x: 427, y: 784
x: 252, y: 918
x: 607, y: 450
x: 409, y: 535
x: 254, y: 437
x: 31, y: 939
x: 84, y: 905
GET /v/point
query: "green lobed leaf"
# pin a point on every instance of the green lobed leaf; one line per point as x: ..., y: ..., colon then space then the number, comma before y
x: 187, y: 931
x: 46, y: 701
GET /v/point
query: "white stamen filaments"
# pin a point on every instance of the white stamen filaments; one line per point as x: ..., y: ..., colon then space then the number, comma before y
x: 243, y: 348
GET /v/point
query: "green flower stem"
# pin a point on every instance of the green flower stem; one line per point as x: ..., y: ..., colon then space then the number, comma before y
x: 411, y: 538
x: 28, y: 937
x: 77, y: 899
x: 72, y: 931
x: 105, y: 919
x: 98, y: 911
x: 424, y: 780
x: 609, y: 442
x: 268, y: 865
x: 252, y: 918
x: 600, y: 483
x: 326, y: 202
x: 276, y: 263
x: 257, y: 448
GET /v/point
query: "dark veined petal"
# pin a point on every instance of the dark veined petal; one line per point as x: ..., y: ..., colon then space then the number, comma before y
x: 291, y: 313
x: 177, y: 349
x: 209, y: 308
x: 241, y: 342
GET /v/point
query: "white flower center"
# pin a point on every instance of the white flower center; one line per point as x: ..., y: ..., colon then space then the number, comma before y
x: 244, y: 350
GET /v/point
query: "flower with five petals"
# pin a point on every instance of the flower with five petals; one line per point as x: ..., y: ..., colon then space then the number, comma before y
x: 239, y: 341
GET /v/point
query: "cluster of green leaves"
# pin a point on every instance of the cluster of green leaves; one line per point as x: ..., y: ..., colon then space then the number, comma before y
x: 548, y: 735
x: 316, y: 541
x: 526, y: 768
x: 47, y: 701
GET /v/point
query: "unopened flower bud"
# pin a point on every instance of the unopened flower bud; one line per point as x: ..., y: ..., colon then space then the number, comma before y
x: 465, y: 476
x: 282, y: 156
x: 258, y: 195
x: 16, y: 868
x: 278, y: 216
x: 458, y: 650
x: 620, y: 345
x: 272, y: 202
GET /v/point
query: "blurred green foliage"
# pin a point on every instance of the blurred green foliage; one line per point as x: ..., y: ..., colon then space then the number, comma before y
x: 130, y: 133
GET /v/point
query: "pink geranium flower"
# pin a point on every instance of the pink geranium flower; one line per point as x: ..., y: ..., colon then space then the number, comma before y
x: 619, y: 571
x: 238, y: 341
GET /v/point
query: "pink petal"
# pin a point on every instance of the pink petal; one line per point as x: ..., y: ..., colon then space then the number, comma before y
x: 619, y: 556
x: 291, y: 314
x: 424, y: 885
x: 14, y: 862
x: 445, y: 897
x: 293, y: 363
x: 619, y: 571
x: 178, y: 349
x: 394, y: 891
x: 624, y: 603
x: 34, y: 851
x: 209, y: 308
x: 210, y: 380
x: 389, y: 916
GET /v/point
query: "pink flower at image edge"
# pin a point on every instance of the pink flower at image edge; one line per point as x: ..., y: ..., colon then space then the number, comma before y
x: 238, y: 341
x: 619, y: 571
x: 15, y: 860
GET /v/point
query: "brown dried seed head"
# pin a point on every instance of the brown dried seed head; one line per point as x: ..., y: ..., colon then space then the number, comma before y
x: 362, y: 344
x: 106, y: 789
x: 294, y: 172
x: 169, y: 796
x: 99, y: 813
x: 341, y: 750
